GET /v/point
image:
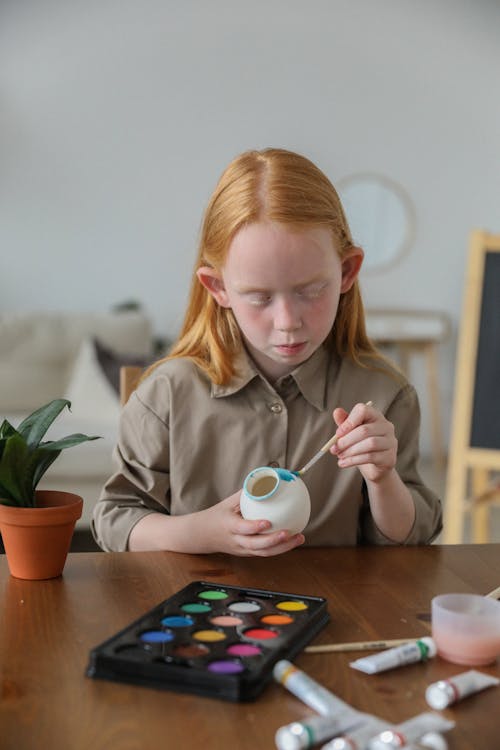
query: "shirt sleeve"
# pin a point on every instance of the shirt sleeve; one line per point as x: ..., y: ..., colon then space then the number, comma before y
x: 141, y: 482
x: 404, y: 413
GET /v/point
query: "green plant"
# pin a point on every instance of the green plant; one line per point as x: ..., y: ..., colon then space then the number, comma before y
x: 24, y: 459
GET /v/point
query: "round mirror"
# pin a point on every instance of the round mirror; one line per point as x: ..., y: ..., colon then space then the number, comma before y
x: 381, y: 217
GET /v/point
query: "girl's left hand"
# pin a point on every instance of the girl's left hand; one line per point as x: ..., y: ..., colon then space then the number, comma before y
x: 366, y: 439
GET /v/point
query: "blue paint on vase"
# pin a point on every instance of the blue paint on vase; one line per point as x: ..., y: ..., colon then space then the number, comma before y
x: 287, y: 476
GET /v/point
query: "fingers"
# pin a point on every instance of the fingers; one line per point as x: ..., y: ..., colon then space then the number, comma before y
x: 365, y: 436
x: 365, y: 443
x: 266, y: 545
x: 357, y: 425
x: 339, y: 416
x: 255, y: 537
x: 358, y: 458
x: 359, y: 414
x: 246, y: 537
x: 352, y: 427
x: 247, y: 528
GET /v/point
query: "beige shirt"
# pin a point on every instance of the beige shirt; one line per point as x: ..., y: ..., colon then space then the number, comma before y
x: 185, y: 443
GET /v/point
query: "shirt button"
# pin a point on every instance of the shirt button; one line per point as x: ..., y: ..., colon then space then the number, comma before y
x: 274, y: 464
x: 276, y: 408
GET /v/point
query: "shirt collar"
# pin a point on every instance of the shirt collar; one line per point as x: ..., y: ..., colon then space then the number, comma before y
x: 311, y: 377
x: 245, y: 371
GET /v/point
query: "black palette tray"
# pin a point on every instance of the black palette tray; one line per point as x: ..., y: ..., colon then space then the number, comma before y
x: 211, y: 639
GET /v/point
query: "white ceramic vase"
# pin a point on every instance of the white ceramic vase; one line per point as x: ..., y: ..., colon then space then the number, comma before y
x: 279, y: 496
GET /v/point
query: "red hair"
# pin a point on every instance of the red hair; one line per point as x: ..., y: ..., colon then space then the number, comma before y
x: 279, y: 186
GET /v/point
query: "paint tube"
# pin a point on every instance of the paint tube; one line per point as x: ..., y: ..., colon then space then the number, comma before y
x: 443, y: 693
x: 409, y: 731
x: 410, y: 653
x: 309, y: 691
x: 430, y: 741
x: 314, y: 729
x: 358, y: 738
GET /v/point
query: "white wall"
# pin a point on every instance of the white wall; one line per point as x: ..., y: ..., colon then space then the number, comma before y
x: 117, y: 117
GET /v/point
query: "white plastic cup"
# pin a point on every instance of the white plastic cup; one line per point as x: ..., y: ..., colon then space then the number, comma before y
x: 466, y: 628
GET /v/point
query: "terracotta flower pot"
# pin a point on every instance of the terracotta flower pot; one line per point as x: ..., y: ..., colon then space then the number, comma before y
x: 37, y: 540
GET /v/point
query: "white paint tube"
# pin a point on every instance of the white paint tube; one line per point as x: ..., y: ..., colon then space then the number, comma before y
x: 309, y: 691
x: 443, y: 693
x: 419, y: 650
x: 430, y: 741
x: 315, y: 729
x: 402, y: 735
x: 358, y: 738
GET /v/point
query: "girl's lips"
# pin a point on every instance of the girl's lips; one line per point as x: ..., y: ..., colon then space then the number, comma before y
x: 290, y: 348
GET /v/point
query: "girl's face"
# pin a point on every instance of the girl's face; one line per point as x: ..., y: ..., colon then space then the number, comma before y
x: 283, y: 287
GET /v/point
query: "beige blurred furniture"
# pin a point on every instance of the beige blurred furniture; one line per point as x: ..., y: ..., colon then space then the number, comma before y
x: 48, y: 355
x: 409, y: 333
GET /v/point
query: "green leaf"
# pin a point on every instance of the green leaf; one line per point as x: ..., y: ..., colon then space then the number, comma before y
x: 5, y: 496
x: 14, y: 477
x: 34, y: 427
x: 6, y: 429
x: 24, y: 459
x: 41, y: 461
x: 22, y: 469
x: 68, y: 442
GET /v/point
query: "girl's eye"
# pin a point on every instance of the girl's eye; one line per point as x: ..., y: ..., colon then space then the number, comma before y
x: 259, y: 299
x: 312, y: 290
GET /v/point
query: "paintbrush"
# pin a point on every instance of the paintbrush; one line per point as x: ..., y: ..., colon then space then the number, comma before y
x: 324, y: 449
x: 357, y: 646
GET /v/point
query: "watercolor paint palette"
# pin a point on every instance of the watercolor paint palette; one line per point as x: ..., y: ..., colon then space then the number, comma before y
x: 211, y: 639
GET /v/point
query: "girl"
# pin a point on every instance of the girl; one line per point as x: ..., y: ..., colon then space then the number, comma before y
x: 273, y: 344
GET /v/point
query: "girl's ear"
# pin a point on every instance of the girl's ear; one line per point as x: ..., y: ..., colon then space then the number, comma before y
x: 212, y: 281
x: 351, y: 264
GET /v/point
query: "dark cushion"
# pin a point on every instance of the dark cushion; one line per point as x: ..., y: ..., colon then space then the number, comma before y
x: 110, y: 362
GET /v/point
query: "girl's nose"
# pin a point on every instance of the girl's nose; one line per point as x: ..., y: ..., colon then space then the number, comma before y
x: 287, y: 316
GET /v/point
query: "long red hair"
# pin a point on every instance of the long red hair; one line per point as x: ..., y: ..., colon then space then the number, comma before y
x: 274, y: 185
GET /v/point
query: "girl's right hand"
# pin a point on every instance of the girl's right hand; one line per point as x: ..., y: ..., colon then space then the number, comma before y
x: 227, y: 531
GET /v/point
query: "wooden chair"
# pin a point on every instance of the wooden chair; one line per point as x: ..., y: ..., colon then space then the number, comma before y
x: 411, y: 332
x: 129, y: 378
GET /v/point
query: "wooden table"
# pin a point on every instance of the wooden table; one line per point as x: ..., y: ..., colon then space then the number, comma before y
x: 48, y: 628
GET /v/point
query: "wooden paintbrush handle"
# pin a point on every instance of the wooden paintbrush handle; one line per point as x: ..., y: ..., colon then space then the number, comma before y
x: 329, y: 444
